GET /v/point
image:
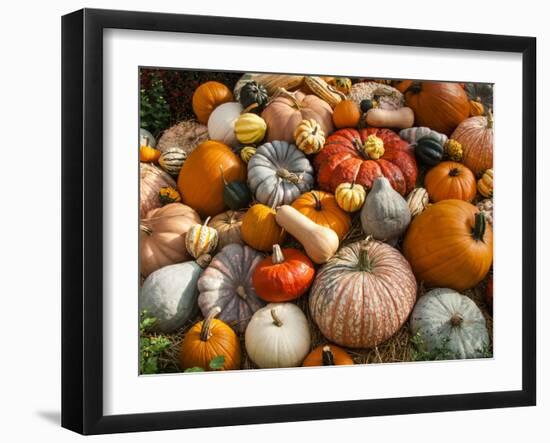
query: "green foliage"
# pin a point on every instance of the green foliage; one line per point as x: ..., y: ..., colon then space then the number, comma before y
x: 154, y: 110
x: 442, y: 352
x: 215, y: 364
x: 150, y: 346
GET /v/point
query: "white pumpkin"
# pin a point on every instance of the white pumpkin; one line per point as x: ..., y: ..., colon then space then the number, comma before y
x: 221, y: 123
x: 444, y: 318
x: 146, y: 138
x: 278, y: 336
x: 170, y: 294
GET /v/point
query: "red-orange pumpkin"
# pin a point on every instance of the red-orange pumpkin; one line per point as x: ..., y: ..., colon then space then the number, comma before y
x: 343, y: 160
x: 207, y: 97
x: 284, y: 276
x: 450, y: 180
x: 476, y: 137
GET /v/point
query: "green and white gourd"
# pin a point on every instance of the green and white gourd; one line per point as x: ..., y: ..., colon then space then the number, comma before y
x: 446, y: 319
x: 172, y: 160
x: 170, y: 294
x: 278, y: 173
x: 146, y: 138
x: 412, y: 135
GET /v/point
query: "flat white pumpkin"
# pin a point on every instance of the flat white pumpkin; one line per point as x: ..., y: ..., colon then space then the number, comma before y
x: 221, y: 123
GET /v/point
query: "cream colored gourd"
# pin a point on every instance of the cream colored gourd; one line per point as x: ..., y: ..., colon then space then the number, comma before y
x: 201, y: 239
x: 401, y: 118
x: 385, y: 214
x: 278, y: 336
x: 350, y: 196
x: 319, y: 242
x: 221, y: 123
x: 418, y: 200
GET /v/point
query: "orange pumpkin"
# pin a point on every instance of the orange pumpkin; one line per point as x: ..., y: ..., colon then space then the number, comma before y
x: 450, y: 180
x: 476, y: 137
x: 476, y: 108
x: 450, y: 245
x: 200, y: 181
x: 401, y: 85
x: 321, y: 208
x: 439, y: 106
x: 284, y: 276
x: 259, y: 228
x: 148, y: 154
x: 208, y: 339
x: 207, y: 97
x: 327, y: 355
x: 346, y: 114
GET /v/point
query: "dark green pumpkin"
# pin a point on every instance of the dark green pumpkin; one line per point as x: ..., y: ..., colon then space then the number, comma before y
x: 252, y: 93
x: 429, y: 151
x: 236, y: 195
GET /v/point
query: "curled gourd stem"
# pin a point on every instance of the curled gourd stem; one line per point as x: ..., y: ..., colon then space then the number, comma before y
x: 284, y: 93
x: 318, y: 205
x: 146, y: 229
x: 456, y: 320
x: 328, y: 356
x: 478, y: 232
x: 206, y: 221
x: 276, y: 320
x: 207, y: 323
x: 278, y: 256
x: 250, y: 108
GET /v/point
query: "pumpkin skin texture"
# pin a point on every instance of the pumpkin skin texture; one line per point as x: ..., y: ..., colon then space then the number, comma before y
x: 207, y: 339
x: 450, y: 180
x: 476, y: 137
x: 285, y: 113
x: 321, y: 208
x: 278, y: 336
x: 418, y: 200
x: 485, y: 184
x: 207, y: 97
x: 327, y: 355
x: 260, y: 229
x: 284, y: 276
x: 346, y: 114
x: 309, y: 137
x: 429, y: 151
x: 449, y: 245
x: 201, y: 239
x: 250, y: 128
x: 228, y: 224
x: 151, y: 181
x: 385, y: 214
x: 278, y: 173
x: 253, y: 96
x: 200, y: 180
x: 343, y: 160
x: 227, y: 283
x: 222, y: 121
x: 350, y: 197
x: 412, y: 135
x: 162, y: 236
x: 363, y: 295
x: 170, y: 294
x: 444, y: 314
x: 440, y: 106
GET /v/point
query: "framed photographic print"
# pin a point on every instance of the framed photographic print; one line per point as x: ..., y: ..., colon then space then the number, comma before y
x: 296, y: 235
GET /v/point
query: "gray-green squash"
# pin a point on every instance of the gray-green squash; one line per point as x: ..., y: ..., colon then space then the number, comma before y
x: 385, y: 214
x: 450, y: 324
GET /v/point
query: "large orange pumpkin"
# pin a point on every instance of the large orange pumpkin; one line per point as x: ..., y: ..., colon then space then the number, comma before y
x: 450, y: 180
x: 259, y: 228
x: 439, y: 106
x: 200, y: 180
x: 476, y: 137
x: 321, y: 207
x: 207, y: 97
x: 449, y: 245
x: 327, y: 355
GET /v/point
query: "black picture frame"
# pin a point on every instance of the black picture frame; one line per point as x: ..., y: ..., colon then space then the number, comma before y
x: 82, y: 218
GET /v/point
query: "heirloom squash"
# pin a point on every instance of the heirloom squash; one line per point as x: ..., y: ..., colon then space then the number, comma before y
x: 321, y: 207
x: 278, y: 173
x: 362, y: 295
x: 146, y: 138
x: 476, y: 137
x: 246, y: 153
x: 253, y: 96
x: 200, y: 180
x: 201, y: 239
x: 346, y: 114
x: 151, y: 180
x: 250, y: 128
x: 227, y: 283
x: 169, y: 195
x: 271, y: 82
x: 207, y: 339
x: 260, y: 229
x: 147, y: 154
x: 309, y: 137
x: 450, y: 180
x: 412, y: 135
x: 327, y: 355
x: 390, y: 118
x: 429, y: 151
x: 453, y: 150
x: 418, y: 200
x: 323, y: 90
x: 172, y: 159
x: 381, y: 96
x: 445, y: 319
x: 284, y: 276
x: 342, y: 84
x: 486, y: 206
x: 228, y: 224
x: 236, y: 194
x: 207, y: 97
x: 221, y: 123
x: 485, y: 184
x: 449, y: 245
x: 319, y: 242
x: 344, y: 160
x: 350, y: 196
x: 186, y: 135
x: 476, y: 108
x: 278, y: 336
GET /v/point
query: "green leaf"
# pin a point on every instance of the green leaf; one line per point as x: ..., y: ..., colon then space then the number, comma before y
x: 217, y: 362
x: 194, y: 369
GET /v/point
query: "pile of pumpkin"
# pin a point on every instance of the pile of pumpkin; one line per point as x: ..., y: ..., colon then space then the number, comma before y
x: 255, y: 214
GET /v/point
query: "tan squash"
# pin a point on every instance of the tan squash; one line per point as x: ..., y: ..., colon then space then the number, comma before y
x: 391, y: 118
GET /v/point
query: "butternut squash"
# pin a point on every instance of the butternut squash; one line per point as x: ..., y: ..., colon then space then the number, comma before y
x: 401, y: 118
x: 319, y: 241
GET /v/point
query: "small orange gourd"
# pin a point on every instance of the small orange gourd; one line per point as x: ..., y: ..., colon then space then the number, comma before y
x: 327, y: 355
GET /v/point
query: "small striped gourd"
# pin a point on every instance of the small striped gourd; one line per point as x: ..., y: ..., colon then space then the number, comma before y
x: 172, y: 160
x: 201, y: 239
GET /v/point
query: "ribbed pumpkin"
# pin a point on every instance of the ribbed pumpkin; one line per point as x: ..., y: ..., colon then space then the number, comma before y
x: 151, y: 180
x: 309, y: 137
x: 228, y: 224
x: 346, y: 114
x: 476, y: 137
x: 412, y: 135
x: 350, y: 196
x: 207, y: 97
x: 286, y: 112
x: 321, y: 207
x: 200, y: 180
x: 162, y: 236
x: 271, y: 82
x: 201, y: 239
x: 172, y: 160
x: 250, y: 128
x: 450, y: 180
x: 418, y: 200
x: 362, y: 295
x: 253, y: 96
x: 327, y: 355
x: 246, y: 153
x: 259, y: 228
x: 485, y: 184
x: 476, y: 108
x: 429, y: 151
x: 207, y: 339
x: 286, y: 275
x: 439, y: 106
x: 344, y: 160
x: 146, y: 138
x: 236, y: 194
x: 449, y: 245
x: 221, y: 123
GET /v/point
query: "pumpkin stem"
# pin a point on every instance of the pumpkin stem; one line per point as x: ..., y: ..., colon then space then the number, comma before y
x: 415, y: 87
x: 277, y: 257
x: 456, y: 320
x: 318, y: 205
x: 328, y: 356
x: 365, y: 263
x: 250, y: 108
x: 287, y: 94
x: 207, y: 323
x: 285, y: 174
x: 478, y: 232
x: 204, y: 260
x: 223, y: 176
x: 146, y: 229
x: 454, y: 172
x: 207, y: 220
x: 490, y: 119
x: 146, y: 140
x: 241, y: 292
x: 276, y: 320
